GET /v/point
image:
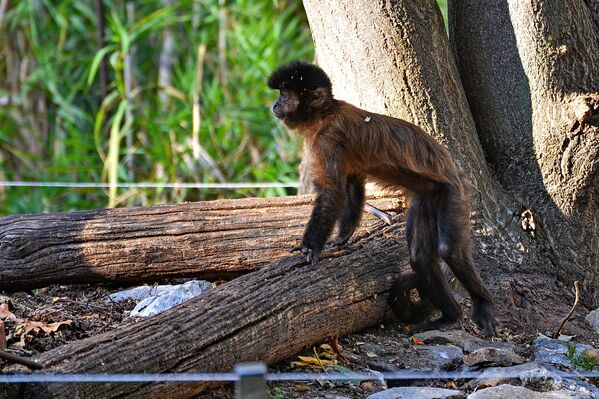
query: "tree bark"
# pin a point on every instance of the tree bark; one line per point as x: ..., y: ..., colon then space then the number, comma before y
x: 267, y: 315
x: 219, y: 239
x: 533, y: 86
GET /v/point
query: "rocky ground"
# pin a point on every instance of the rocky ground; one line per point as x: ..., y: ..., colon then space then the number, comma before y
x: 520, y: 365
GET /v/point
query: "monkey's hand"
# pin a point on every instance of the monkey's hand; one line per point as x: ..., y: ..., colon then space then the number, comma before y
x: 311, y: 254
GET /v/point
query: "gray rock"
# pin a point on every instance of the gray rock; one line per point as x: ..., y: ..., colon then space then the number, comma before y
x: 507, y: 391
x: 467, y: 342
x: 167, y: 297
x: 485, y: 357
x: 510, y: 391
x: 534, y: 376
x: 564, y: 394
x: 553, y: 352
x: 476, y: 344
x: 380, y: 365
x: 439, y: 357
x: 417, y: 393
x: 137, y: 293
x: 530, y: 375
x: 593, y: 319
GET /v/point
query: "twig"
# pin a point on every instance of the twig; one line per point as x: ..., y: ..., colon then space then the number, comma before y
x: 576, y: 297
x: 319, y: 361
x: 20, y: 360
x: 335, y: 346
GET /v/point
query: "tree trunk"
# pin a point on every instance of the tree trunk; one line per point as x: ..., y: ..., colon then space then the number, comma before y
x: 394, y: 58
x: 529, y: 69
x: 219, y: 239
x: 267, y: 315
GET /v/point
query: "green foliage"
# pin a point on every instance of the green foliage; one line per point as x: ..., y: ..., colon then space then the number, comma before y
x: 54, y: 125
x: 581, y: 360
x: 276, y: 393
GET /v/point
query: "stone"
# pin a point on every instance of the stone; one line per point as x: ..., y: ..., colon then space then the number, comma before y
x: 537, y: 377
x: 554, y: 352
x: 168, y: 297
x: 485, y: 357
x: 464, y: 340
x: 418, y: 393
x: 438, y: 357
x: 455, y: 337
x: 475, y: 344
x: 593, y: 319
x: 506, y: 391
x: 531, y: 375
x: 516, y: 392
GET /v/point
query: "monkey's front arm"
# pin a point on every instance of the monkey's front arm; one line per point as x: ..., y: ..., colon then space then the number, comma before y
x: 330, y: 184
x: 326, y: 211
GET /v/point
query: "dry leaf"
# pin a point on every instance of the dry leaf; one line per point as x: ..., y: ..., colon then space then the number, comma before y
x: 38, y: 326
x: 2, y: 336
x: 7, y: 314
x: 416, y: 341
x: 53, y: 327
x: 312, y: 361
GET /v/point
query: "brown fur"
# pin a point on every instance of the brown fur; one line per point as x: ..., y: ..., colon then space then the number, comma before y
x: 348, y: 145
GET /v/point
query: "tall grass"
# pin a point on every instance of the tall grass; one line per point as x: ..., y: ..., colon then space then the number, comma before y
x: 55, y: 126
x: 186, y: 99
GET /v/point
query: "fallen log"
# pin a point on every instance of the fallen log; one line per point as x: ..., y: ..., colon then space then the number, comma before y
x: 267, y: 315
x: 210, y: 240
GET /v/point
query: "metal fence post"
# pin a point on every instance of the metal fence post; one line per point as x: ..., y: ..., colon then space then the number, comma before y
x: 252, y: 382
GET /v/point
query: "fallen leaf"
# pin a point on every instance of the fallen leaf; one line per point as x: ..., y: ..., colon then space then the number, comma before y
x: 2, y: 336
x: 53, y: 327
x: 38, y: 326
x: 312, y: 361
x: 416, y: 341
x: 28, y: 326
x: 7, y: 314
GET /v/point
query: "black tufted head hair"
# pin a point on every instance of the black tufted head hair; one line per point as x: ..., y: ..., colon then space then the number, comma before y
x: 300, y: 77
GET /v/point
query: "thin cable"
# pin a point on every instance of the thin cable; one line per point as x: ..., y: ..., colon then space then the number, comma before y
x: 291, y: 376
x: 148, y: 185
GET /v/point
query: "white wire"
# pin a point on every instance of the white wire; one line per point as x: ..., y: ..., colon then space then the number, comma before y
x: 148, y: 185
x: 289, y: 376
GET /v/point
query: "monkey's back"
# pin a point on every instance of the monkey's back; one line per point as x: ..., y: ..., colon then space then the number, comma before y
x: 391, y: 150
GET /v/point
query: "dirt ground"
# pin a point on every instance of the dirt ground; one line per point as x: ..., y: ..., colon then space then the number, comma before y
x: 47, y: 318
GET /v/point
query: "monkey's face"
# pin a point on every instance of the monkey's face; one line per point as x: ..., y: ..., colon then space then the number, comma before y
x: 286, y: 106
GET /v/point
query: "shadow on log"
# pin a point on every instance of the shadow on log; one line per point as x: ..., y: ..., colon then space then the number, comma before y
x: 266, y: 315
x: 217, y: 239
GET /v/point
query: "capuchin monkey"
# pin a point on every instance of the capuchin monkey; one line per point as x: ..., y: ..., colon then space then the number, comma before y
x: 348, y: 145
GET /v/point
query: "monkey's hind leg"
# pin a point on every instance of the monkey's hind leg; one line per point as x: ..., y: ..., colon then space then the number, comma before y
x: 455, y: 248
x: 422, y: 236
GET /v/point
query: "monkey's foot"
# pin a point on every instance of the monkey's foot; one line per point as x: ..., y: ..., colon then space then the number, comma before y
x: 439, y: 324
x: 338, y: 242
x: 483, y: 315
x: 311, y: 255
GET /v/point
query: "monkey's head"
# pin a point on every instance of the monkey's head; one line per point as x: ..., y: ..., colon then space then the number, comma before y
x: 305, y: 93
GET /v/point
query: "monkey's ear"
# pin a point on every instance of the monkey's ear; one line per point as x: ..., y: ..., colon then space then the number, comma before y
x: 321, y: 96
